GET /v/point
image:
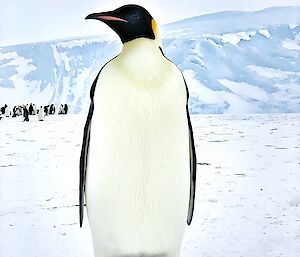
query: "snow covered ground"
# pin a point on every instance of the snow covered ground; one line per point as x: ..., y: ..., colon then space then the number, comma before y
x: 248, y: 187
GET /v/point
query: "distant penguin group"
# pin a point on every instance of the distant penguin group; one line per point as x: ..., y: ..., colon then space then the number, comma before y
x: 17, y: 111
x: 52, y: 109
x: 30, y: 109
x: 63, y: 109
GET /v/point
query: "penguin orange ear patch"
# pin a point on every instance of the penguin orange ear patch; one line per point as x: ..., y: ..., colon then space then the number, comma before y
x: 154, y: 28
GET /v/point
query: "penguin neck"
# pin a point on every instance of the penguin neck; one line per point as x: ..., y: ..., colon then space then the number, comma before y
x: 140, y: 50
x: 139, y: 44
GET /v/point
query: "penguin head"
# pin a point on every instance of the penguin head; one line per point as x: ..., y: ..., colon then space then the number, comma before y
x: 129, y: 22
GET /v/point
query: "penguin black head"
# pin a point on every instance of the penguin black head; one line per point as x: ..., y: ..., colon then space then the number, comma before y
x: 129, y: 22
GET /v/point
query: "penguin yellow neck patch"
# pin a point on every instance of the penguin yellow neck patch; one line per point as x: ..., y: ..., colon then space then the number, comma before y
x: 155, y: 28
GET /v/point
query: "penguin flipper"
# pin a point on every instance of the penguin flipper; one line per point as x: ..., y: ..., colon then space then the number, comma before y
x: 193, y: 158
x: 83, y: 161
x: 193, y: 166
x: 84, y: 151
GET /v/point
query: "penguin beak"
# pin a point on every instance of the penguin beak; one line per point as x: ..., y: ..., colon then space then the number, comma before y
x: 105, y: 16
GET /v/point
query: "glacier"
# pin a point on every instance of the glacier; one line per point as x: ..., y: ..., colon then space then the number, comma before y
x: 233, y: 62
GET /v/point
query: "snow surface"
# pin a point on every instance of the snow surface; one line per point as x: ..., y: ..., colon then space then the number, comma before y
x: 266, y: 32
x: 247, y: 201
x: 235, y: 38
x: 292, y: 44
x: 214, y: 48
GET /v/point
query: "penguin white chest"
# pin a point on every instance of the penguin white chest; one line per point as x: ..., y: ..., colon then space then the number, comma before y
x: 137, y: 187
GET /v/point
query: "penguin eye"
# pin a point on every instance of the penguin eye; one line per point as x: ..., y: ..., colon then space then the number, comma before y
x: 134, y: 16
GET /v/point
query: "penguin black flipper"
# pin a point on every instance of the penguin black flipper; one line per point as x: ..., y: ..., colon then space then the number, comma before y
x: 84, y: 152
x: 193, y: 158
x: 83, y: 160
x: 193, y: 164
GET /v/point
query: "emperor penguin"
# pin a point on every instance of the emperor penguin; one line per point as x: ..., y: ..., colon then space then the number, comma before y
x: 138, y: 161
x: 7, y: 111
x: 41, y: 114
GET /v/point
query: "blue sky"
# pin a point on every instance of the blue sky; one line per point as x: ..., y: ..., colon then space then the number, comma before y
x: 24, y: 21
